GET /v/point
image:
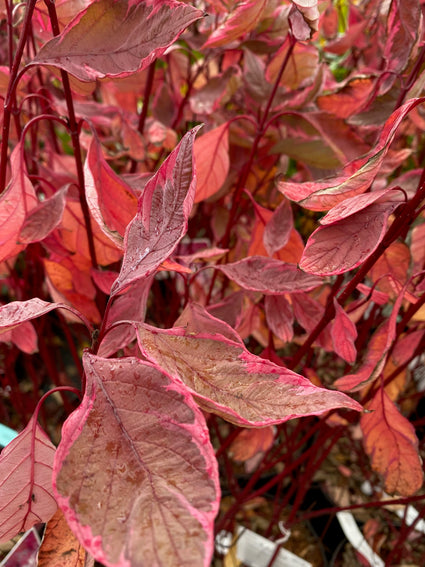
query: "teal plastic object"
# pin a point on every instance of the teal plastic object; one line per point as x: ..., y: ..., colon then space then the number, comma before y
x: 6, y: 435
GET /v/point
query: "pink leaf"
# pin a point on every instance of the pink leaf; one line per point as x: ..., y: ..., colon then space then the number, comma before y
x: 279, y: 316
x: 279, y: 228
x: 131, y: 305
x: 353, y: 205
x: 195, y: 319
x: 270, y: 276
x: 391, y: 443
x: 115, y: 39
x: 26, y: 495
x: 310, y: 12
x: 135, y: 474
x: 162, y: 215
x: 344, y: 333
x: 228, y: 380
x: 243, y: 20
x: 111, y: 201
x: 24, y: 337
x: 15, y: 202
x: 344, y: 245
x: 17, y: 312
x: 211, y: 155
x: 307, y: 310
x: 356, y: 176
x: 44, y: 218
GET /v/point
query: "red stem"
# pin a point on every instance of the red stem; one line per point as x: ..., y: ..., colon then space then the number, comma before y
x: 75, y: 139
x: 11, y: 89
x: 144, y: 111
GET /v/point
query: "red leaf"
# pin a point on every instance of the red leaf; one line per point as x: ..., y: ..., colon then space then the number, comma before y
x: 17, y: 312
x: 279, y: 316
x: 270, y: 276
x: 406, y: 346
x: 278, y: 229
x: 135, y: 474
x: 26, y: 495
x: 349, y: 98
x: 25, y: 337
x: 344, y: 245
x: 299, y: 71
x: 356, y: 176
x: 111, y: 201
x: 354, y: 205
x: 211, y: 155
x: 15, y: 202
x: 343, y: 333
x: 391, y: 443
x: 115, y: 39
x: 249, y: 442
x: 162, y: 215
x: 131, y: 305
x: 307, y: 311
x: 195, y: 319
x: 44, y: 218
x: 60, y: 547
x: 379, y: 346
x: 243, y: 20
x: 395, y: 261
x: 404, y: 24
x: 228, y: 380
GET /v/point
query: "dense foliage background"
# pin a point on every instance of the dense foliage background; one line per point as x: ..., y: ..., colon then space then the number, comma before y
x: 212, y: 219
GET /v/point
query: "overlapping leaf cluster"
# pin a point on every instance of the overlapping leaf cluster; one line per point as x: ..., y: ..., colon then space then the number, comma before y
x: 228, y: 180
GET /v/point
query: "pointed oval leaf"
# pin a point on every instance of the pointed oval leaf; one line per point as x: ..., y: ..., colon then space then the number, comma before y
x: 162, y: 215
x: 26, y: 494
x: 356, y: 204
x: 15, y: 202
x: 278, y: 229
x: 211, y: 155
x: 391, y: 443
x: 25, y: 337
x: 377, y: 353
x: 228, y: 380
x: 356, y: 176
x: 44, y: 218
x: 344, y: 333
x: 111, y: 201
x: 135, y: 474
x: 270, y: 276
x: 250, y: 442
x: 279, y: 316
x: 115, y: 39
x: 17, y: 312
x: 195, y: 319
x: 243, y: 20
x: 344, y: 245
